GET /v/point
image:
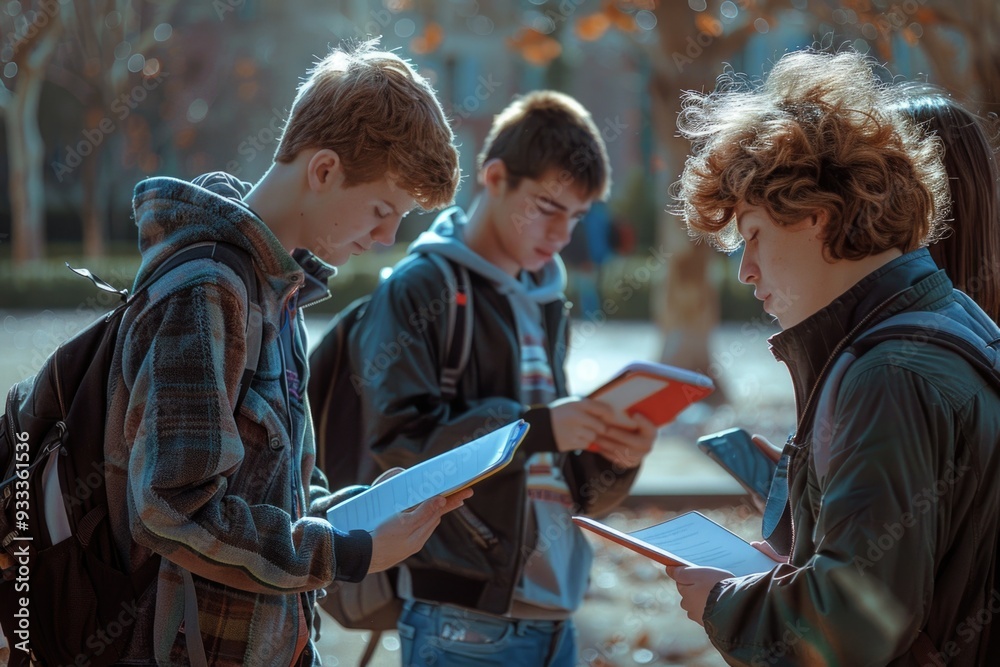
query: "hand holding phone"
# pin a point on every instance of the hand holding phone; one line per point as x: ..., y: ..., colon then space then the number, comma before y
x: 740, y: 457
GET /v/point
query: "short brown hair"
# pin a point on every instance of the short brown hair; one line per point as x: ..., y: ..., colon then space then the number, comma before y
x: 821, y: 133
x: 381, y: 118
x: 547, y: 130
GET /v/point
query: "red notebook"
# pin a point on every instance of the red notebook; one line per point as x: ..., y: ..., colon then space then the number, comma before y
x: 656, y: 391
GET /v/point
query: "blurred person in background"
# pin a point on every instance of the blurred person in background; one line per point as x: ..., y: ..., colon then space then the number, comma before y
x: 970, y: 252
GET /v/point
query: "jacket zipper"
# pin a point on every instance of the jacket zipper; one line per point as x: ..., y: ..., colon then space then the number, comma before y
x: 294, y: 456
x: 58, y: 383
x: 296, y: 473
x: 838, y: 348
x: 481, y: 534
x: 301, y: 363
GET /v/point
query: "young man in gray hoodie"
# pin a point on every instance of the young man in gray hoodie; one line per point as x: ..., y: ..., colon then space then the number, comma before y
x: 498, y: 583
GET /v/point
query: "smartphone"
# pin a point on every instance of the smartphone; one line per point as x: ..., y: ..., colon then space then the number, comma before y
x: 734, y: 450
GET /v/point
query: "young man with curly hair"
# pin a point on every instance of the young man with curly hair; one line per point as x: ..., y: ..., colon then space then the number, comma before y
x: 235, y: 501
x: 498, y: 583
x: 833, y: 194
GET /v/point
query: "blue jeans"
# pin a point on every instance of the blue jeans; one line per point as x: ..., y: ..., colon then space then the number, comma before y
x: 441, y: 635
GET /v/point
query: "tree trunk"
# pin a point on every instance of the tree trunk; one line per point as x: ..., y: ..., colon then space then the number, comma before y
x: 24, y: 140
x: 94, y: 215
x: 686, y: 304
x: 27, y: 188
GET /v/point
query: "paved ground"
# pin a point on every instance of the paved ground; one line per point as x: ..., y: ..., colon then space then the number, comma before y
x: 631, y: 616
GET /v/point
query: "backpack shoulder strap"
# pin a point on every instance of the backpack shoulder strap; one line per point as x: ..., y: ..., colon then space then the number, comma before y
x: 940, y: 330
x: 241, y: 263
x: 458, y: 338
x: 979, y: 348
x: 921, y: 328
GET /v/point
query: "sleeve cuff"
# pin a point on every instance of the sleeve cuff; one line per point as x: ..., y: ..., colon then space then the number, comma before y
x: 540, y: 436
x: 353, y: 554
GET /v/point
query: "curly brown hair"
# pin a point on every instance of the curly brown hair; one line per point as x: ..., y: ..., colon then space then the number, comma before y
x: 820, y: 133
x: 381, y: 118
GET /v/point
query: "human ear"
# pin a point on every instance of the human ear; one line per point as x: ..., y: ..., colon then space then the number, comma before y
x: 820, y: 221
x: 494, y: 177
x: 324, y: 170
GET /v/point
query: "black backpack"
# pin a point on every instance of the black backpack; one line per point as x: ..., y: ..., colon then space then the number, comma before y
x: 335, y: 383
x: 335, y: 402
x: 68, y: 595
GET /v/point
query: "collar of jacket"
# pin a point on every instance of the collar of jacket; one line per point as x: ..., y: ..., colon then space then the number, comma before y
x: 807, y: 347
x: 317, y: 273
x: 172, y: 214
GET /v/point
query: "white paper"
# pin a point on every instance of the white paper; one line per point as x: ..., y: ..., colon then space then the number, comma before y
x: 695, y: 538
x: 627, y: 394
x: 670, y: 372
x: 438, y: 476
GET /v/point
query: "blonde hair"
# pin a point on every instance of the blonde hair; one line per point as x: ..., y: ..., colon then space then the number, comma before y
x: 381, y: 118
x: 821, y: 133
x: 547, y: 130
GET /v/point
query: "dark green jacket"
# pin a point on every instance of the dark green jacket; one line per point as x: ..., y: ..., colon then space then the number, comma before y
x: 900, y: 535
x: 397, y: 358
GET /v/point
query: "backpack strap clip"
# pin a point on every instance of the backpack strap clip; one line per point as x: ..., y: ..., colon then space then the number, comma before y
x: 101, y: 284
x: 458, y: 338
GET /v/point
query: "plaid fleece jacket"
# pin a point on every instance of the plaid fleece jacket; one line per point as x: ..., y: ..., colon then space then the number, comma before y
x: 219, y: 496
